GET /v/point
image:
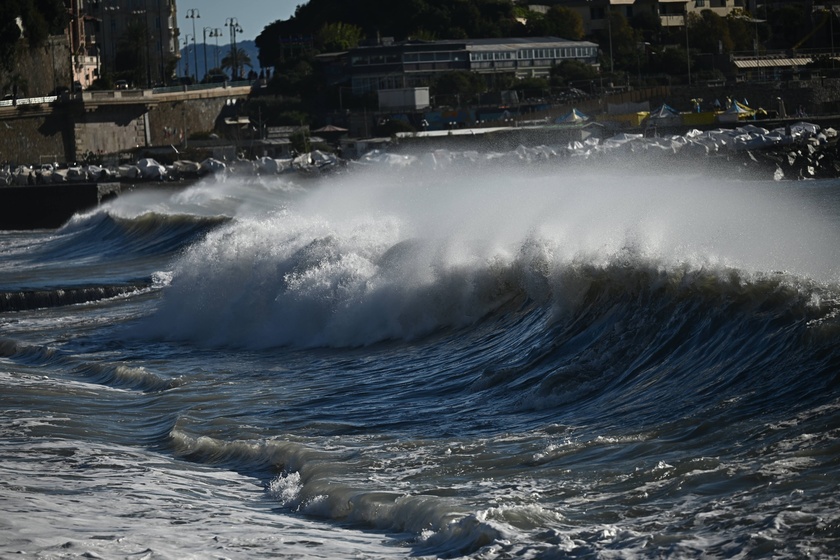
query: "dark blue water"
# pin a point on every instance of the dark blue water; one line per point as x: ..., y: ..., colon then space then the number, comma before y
x: 401, y: 361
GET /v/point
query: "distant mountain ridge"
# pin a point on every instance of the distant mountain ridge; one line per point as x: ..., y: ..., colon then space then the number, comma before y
x: 214, y: 55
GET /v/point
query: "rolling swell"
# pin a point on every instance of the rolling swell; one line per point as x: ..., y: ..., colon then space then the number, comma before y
x: 651, y: 346
x: 147, y: 234
x: 95, y: 257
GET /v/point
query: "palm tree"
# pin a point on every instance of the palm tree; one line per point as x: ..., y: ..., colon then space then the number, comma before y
x: 235, y: 64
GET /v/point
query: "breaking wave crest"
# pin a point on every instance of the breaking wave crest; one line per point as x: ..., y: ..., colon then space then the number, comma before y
x: 310, y: 482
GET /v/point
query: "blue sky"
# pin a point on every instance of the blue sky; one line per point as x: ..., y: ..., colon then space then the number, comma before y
x: 253, y: 16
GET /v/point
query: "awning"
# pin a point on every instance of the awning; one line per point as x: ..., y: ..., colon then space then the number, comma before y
x: 330, y: 128
x: 773, y: 62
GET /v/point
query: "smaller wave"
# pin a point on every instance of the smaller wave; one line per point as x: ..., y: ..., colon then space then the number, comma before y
x: 28, y: 353
x: 23, y: 300
x: 145, y: 234
x: 313, y: 482
x: 125, y: 377
x: 112, y: 375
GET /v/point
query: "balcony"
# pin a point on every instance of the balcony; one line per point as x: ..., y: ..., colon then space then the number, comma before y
x: 677, y: 20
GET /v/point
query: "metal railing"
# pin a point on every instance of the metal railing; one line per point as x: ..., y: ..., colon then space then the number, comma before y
x: 121, y: 94
x: 28, y: 101
x: 200, y: 87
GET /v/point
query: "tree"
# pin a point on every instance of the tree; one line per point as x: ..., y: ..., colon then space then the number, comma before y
x: 38, y: 19
x: 130, y: 61
x: 17, y: 85
x: 564, y: 22
x: 742, y: 31
x: 458, y: 86
x: 671, y: 61
x: 338, y: 37
x: 443, y: 19
x: 236, y: 61
x: 648, y: 24
x: 570, y: 71
x: 710, y: 34
x: 295, y: 78
x: 625, y: 43
x: 787, y: 24
x: 532, y: 87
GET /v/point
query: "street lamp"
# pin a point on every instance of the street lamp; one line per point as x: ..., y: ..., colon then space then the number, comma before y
x: 204, y: 42
x: 109, y: 14
x: 608, y: 12
x: 216, y: 33
x: 145, y: 28
x: 233, y: 23
x: 687, y: 49
x: 609, y: 32
x: 187, y: 57
x: 194, y: 15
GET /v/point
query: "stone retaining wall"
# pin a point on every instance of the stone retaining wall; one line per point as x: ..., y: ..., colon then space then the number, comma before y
x: 97, y: 125
x: 36, y: 137
x: 169, y: 121
x: 41, y: 70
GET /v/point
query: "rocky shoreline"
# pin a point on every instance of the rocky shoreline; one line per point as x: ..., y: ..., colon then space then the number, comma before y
x: 796, y: 151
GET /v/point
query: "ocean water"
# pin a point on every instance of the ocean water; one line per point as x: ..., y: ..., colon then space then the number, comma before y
x: 475, y: 360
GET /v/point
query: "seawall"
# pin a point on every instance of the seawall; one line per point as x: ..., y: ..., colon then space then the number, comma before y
x: 50, y: 206
x: 71, y: 127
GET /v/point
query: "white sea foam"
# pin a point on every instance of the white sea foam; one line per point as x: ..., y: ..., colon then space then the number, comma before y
x: 109, y: 502
x: 379, y: 255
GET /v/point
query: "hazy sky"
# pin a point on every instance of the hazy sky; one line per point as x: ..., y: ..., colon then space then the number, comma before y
x: 253, y: 16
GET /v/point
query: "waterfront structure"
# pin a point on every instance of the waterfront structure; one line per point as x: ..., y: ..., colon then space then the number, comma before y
x: 409, y: 64
x: 156, y: 20
x: 84, y: 57
x: 671, y: 13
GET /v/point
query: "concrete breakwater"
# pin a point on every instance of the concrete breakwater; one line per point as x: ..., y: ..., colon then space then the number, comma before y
x: 49, y: 206
x: 796, y: 151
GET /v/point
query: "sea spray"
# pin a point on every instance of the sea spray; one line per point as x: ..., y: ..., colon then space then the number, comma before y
x: 396, y: 254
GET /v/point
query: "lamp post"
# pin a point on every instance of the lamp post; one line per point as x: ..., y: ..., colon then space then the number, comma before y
x: 687, y: 49
x: 216, y: 33
x: 204, y: 42
x: 145, y: 28
x: 109, y: 14
x: 609, y: 32
x: 187, y: 57
x: 194, y: 15
x: 233, y: 23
